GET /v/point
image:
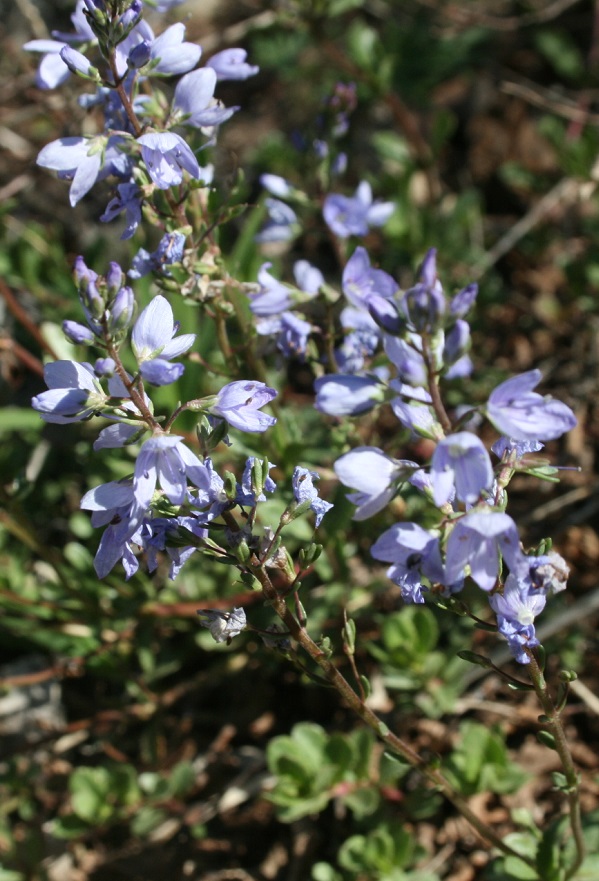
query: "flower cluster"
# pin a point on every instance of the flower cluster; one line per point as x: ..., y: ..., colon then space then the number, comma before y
x: 379, y: 344
x: 425, y: 338
x: 139, y: 145
x: 398, y: 346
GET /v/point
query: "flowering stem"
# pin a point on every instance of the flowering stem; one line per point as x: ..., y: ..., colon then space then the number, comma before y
x: 122, y: 93
x: 359, y: 707
x: 433, y: 387
x: 136, y: 396
x: 551, y: 719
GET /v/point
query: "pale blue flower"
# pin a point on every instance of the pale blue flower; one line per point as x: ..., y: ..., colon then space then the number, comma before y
x: 354, y: 215
x: 347, y: 395
x: 239, y: 404
x: 304, y: 490
x: 415, y: 554
x: 477, y: 540
x: 167, y: 156
x: 231, y: 64
x: 194, y: 98
x: 74, y: 393
x: 154, y: 343
x: 519, y: 413
x: 223, y: 626
x: 460, y: 462
x: 361, y: 281
x: 375, y: 475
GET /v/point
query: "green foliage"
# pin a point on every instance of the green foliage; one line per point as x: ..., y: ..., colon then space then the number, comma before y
x: 385, y: 854
x: 412, y: 660
x: 481, y: 762
x: 312, y: 767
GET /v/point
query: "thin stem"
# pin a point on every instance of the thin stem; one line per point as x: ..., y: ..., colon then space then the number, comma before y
x: 433, y: 387
x: 554, y: 725
x: 122, y: 93
x: 357, y: 705
x: 136, y: 395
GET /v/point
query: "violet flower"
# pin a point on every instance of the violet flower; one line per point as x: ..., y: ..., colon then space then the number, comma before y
x: 154, y: 344
x: 347, y: 395
x: 519, y: 413
x: 167, y: 156
x: 477, y: 540
x: 194, y: 98
x: 353, y: 215
x: 460, y: 462
x: 239, y: 404
x: 304, y: 490
x: 361, y: 281
x: 375, y: 476
x: 73, y: 393
x: 415, y: 554
x: 230, y: 64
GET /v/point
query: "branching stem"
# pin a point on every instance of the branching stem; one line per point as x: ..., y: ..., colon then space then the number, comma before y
x: 359, y: 707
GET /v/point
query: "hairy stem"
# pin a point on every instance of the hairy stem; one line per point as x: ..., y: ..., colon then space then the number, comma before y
x: 553, y: 724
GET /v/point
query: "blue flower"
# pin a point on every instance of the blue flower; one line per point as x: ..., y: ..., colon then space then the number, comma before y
x: 359, y: 344
x: 111, y: 504
x: 375, y: 476
x: 164, y: 461
x: 169, y: 250
x: 353, y: 215
x: 273, y: 296
x: 424, y: 305
x: 230, y: 64
x: 246, y: 494
x: 168, y: 53
x: 276, y: 185
x: 78, y: 158
x: 304, y: 490
x: 74, y: 393
x: 292, y: 333
x: 167, y: 156
x: 154, y: 344
x: 516, y: 608
x: 461, y: 463
x: 307, y: 277
x: 194, y: 98
x: 361, y: 281
x: 52, y: 70
x: 347, y: 395
x: 519, y: 413
x: 477, y: 540
x: 239, y: 404
x: 415, y: 554
x: 128, y: 199
x: 172, y: 54
x: 223, y: 626
x: 282, y: 224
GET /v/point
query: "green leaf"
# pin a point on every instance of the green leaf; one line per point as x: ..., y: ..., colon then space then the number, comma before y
x: 90, y: 789
x: 561, y: 51
x: 325, y: 872
x: 181, y: 779
x: 146, y: 820
x: 547, y: 739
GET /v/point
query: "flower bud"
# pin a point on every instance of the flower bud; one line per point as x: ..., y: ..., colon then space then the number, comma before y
x: 121, y: 311
x: 114, y: 278
x: 139, y: 55
x: 77, y: 333
x: 457, y: 342
x: 78, y: 63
